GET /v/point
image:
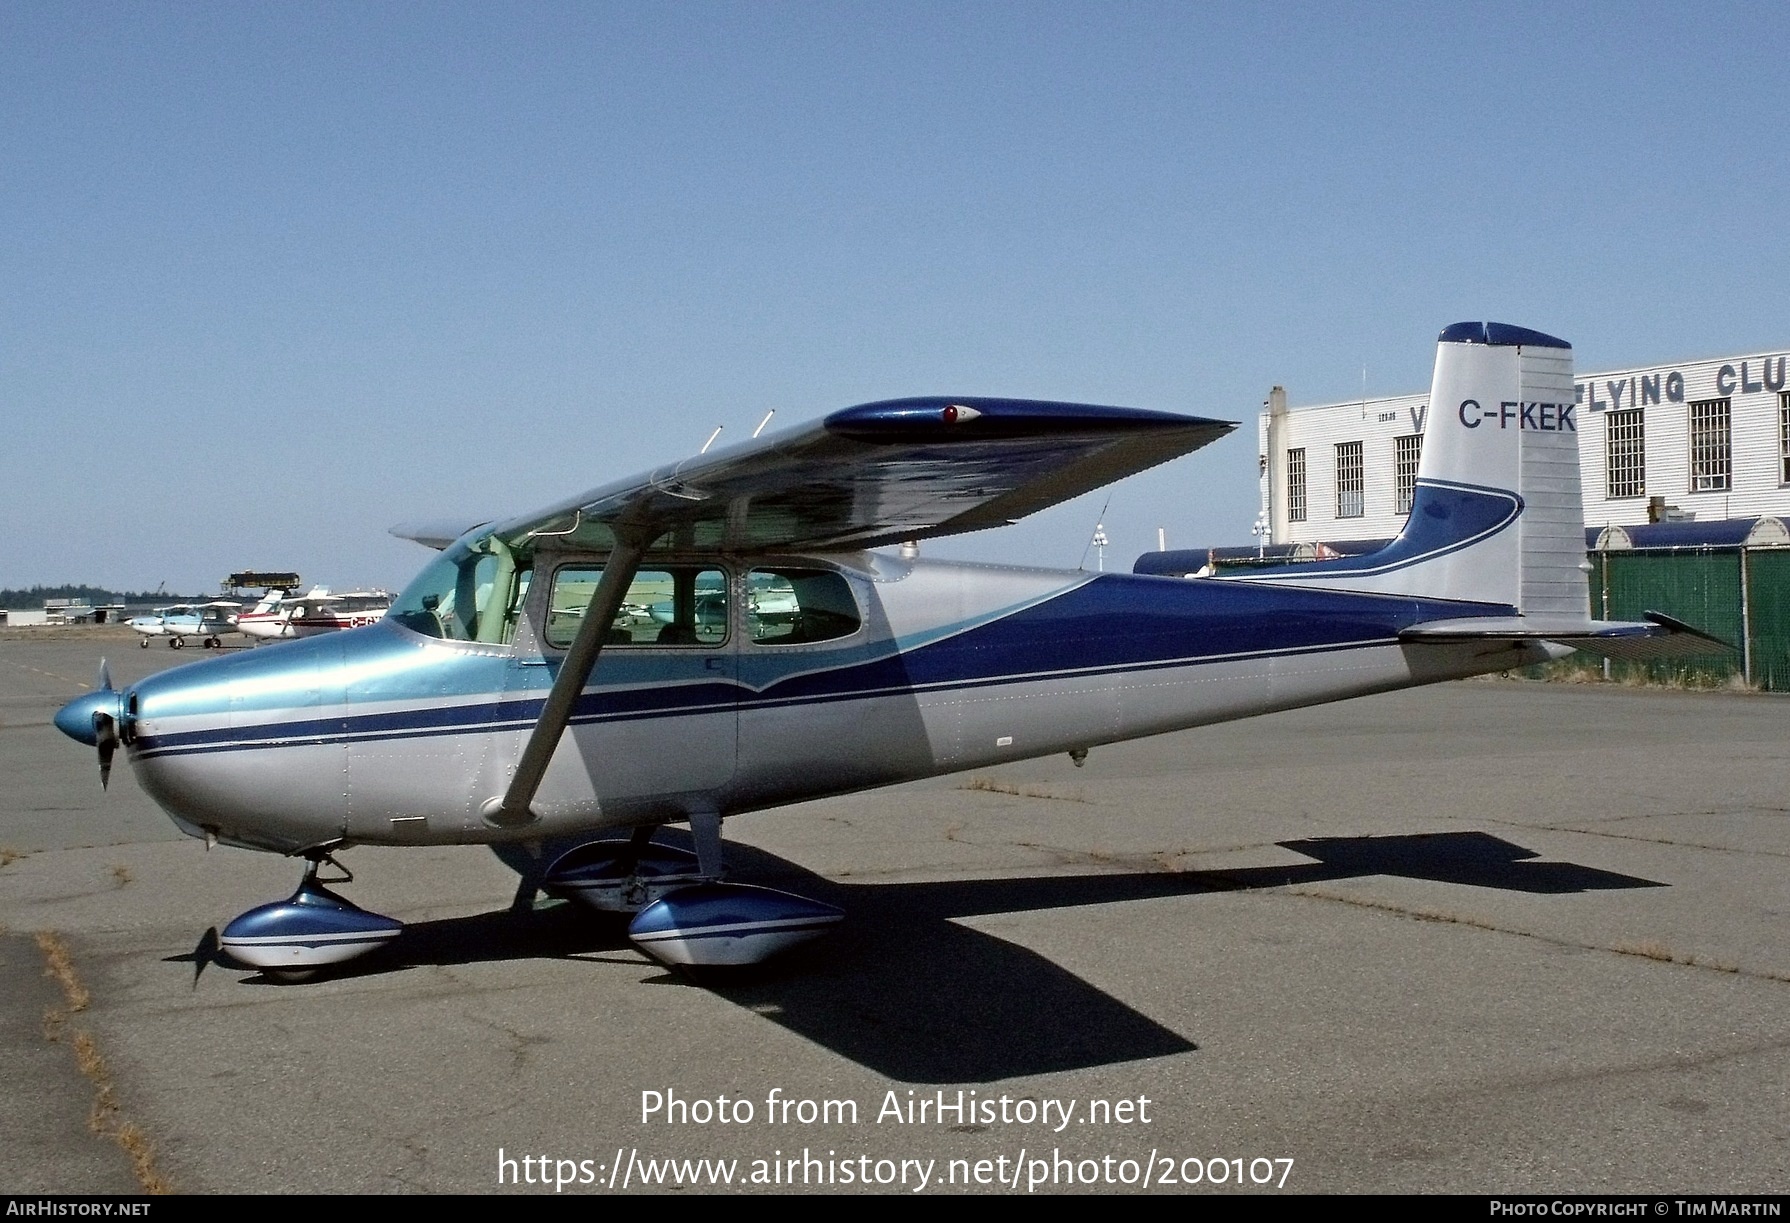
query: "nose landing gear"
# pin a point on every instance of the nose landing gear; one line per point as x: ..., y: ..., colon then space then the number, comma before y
x: 313, y: 928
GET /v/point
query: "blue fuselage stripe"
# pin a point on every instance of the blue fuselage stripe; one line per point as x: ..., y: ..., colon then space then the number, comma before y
x: 1115, y: 625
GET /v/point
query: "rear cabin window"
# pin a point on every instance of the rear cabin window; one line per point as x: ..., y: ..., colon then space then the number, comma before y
x: 678, y: 605
x: 796, y: 606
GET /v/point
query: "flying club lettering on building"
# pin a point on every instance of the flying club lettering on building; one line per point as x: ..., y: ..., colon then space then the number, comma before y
x: 1642, y: 390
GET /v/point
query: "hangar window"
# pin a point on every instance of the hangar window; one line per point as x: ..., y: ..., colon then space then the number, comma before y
x: 1710, y: 456
x: 1406, y: 452
x: 795, y: 606
x: 1784, y: 437
x: 678, y: 605
x: 1625, y: 454
x: 1349, y: 480
x: 1296, y: 485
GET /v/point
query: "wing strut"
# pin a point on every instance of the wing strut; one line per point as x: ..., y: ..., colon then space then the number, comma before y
x: 516, y: 809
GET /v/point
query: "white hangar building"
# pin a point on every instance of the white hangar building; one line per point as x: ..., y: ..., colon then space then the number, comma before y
x: 1686, y: 477
x: 1696, y: 441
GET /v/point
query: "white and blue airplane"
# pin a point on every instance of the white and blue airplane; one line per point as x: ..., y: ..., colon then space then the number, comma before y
x: 516, y: 693
x: 207, y: 621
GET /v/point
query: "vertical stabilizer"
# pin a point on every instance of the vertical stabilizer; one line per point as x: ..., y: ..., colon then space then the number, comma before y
x: 1497, y: 516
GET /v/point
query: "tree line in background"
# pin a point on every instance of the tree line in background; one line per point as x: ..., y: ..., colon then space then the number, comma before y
x: 33, y: 598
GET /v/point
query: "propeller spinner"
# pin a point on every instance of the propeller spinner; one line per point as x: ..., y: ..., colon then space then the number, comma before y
x: 93, y: 718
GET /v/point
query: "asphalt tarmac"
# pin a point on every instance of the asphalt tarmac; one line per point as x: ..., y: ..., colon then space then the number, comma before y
x: 1488, y: 937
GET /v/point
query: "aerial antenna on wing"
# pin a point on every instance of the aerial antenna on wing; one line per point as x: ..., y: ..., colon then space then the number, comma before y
x: 711, y: 441
x: 764, y: 422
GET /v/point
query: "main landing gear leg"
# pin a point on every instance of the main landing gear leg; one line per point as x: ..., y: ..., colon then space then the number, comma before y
x: 705, y: 830
x: 311, y: 929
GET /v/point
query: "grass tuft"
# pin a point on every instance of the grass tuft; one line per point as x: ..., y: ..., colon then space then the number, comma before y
x: 61, y: 968
x: 991, y: 786
x: 104, y: 1118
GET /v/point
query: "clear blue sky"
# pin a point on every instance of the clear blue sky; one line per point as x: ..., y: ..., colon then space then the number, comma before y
x: 274, y: 277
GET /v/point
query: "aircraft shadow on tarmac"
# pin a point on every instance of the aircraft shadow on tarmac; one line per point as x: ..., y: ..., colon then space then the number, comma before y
x: 906, y: 991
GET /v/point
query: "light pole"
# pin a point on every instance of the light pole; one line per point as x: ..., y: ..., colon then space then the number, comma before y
x: 1260, y: 530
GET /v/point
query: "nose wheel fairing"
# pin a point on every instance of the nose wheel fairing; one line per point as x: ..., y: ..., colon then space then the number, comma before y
x: 311, y: 929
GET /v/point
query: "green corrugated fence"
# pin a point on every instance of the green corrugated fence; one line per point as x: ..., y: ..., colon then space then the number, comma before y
x: 1702, y: 588
x: 1768, y: 598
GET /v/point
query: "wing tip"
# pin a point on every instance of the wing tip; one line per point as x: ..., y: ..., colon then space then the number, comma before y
x: 973, y: 416
x: 438, y: 533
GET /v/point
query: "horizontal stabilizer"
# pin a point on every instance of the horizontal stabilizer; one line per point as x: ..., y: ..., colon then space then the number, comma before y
x: 1654, y: 636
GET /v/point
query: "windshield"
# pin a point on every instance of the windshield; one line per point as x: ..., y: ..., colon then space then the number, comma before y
x: 471, y: 592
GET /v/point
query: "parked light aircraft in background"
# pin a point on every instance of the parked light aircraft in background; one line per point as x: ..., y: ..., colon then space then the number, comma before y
x: 283, y: 615
x: 351, y: 609
x: 209, y: 621
x: 716, y: 637
x: 266, y: 618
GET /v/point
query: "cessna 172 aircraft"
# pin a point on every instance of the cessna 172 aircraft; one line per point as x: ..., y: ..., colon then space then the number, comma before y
x: 715, y: 637
x: 284, y: 615
x: 208, y: 621
x: 266, y: 618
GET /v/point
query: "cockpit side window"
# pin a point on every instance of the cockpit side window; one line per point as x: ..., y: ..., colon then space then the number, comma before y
x: 797, y: 606
x: 678, y: 605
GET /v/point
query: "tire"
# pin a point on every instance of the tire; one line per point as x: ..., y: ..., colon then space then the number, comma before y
x: 290, y: 976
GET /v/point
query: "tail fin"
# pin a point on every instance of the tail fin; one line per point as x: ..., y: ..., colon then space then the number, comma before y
x: 1497, y: 517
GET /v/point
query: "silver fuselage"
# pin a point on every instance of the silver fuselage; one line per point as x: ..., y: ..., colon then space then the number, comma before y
x: 383, y: 735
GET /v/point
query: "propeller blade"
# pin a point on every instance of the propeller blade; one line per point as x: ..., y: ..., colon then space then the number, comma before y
x: 105, y: 734
x: 105, y: 676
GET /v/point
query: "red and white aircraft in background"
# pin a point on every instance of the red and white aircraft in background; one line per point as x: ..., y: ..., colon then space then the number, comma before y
x: 282, y: 614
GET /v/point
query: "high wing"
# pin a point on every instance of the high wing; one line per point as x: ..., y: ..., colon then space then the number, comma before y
x: 875, y: 474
